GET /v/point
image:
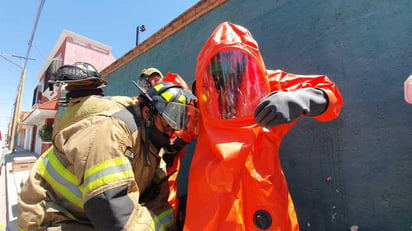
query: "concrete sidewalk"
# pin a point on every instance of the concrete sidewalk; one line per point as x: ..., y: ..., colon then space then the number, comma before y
x: 10, y: 183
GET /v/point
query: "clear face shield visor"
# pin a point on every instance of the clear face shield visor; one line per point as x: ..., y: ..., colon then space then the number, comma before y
x: 181, y: 117
x: 147, y: 81
x: 232, y: 85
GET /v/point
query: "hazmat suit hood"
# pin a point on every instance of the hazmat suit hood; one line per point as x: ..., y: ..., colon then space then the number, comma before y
x: 230, y: 77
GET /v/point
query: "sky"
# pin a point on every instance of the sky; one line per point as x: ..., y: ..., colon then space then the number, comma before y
x: 112, y: 23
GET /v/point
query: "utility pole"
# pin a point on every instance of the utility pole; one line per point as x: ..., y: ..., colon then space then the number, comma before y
x: 13, y: 124
x: 16, y: 114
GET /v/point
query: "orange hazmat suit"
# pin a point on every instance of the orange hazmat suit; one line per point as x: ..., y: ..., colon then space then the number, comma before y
x: 236, y: 180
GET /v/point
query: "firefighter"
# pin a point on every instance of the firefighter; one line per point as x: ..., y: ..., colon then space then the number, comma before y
x: 236, y: 180
x: 104, y: 169
x: 149, y: 77
x: 175, y: 152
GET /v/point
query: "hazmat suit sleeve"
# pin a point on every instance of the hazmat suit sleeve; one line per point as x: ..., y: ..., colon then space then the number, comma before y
x: 280, y: 80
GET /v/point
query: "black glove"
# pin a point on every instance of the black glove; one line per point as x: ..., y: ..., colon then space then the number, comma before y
x: 282, y: 107
x: 150, y: 193
x: 171, y: 150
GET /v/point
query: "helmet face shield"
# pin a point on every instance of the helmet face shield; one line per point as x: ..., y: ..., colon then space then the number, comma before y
x: 232, y: 85
x: 146, y: 81
x: 174, y: 104
x: 181, y: 117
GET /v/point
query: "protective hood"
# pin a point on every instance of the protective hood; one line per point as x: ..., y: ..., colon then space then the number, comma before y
x: 230, y: 76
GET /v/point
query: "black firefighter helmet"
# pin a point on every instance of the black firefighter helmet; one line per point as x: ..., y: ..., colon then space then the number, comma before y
x: 79, y: 74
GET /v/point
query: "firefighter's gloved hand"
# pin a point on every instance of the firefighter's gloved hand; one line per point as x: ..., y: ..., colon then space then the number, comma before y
x: 172, y: 150
x: 282, y: 107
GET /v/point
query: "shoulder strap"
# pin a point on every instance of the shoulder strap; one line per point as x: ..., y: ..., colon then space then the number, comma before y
x: 128, y: 114
x: 118, y: 107
x: 84, y: 107
x: 129, y: 117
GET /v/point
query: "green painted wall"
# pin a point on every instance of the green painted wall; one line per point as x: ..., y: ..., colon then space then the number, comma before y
x: 355, y: 170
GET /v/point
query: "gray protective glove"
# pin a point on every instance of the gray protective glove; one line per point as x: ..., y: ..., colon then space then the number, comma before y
x: 282, y: 107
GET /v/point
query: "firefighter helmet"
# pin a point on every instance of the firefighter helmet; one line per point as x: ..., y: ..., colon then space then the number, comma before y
x: 80, y: 73
x: 174, y: 104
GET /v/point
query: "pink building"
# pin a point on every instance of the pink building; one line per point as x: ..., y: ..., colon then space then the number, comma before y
x: 69, y: 48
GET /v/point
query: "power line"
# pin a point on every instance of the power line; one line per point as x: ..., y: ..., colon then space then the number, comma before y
x: 39, y: 10
x: 10, y: 61
x: 16, y: 114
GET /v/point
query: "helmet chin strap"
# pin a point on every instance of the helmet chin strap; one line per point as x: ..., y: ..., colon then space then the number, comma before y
x: 148, y: 126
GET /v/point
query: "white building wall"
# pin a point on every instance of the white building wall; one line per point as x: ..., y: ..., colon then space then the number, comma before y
x: 37, y: 148
x: 28, y: 137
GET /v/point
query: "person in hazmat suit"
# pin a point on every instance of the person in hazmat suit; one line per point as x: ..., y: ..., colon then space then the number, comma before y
x: 236, y: 180
x: 173, y: 153
x: 103, y: 170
